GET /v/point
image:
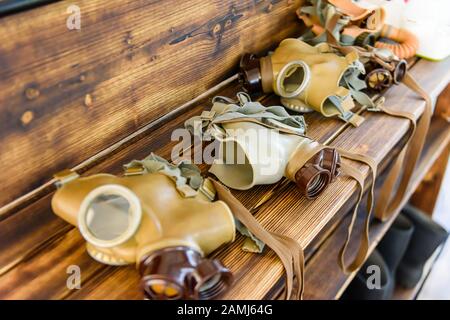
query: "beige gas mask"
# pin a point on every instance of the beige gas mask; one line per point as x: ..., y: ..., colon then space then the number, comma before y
x: 260, y: 145
x: 246, y: 128
x: 155, y: 217
x: 306, y: 78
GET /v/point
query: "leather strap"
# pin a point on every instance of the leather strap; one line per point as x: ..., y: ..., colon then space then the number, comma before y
x: 363, y: 249
x: 288, y: 250
x: 299, y: 260
x: 387, y: 205
x: 406, y: 161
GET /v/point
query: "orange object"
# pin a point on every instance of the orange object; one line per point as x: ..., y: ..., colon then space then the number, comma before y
x: 407, y: 42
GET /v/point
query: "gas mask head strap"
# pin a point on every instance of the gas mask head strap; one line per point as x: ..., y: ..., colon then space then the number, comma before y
x: 64, y: 177
x: 187, y: 177
x: 361, y: 255
x: 225, y: 110
x: 288, y: 250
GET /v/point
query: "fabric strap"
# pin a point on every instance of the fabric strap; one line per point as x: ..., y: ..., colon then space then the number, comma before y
x: 288, y: 250
x: 225, y: 110
x: 187, y: 177
x: 406, y: 161
x: 386, y: 204
x: 363, y: 249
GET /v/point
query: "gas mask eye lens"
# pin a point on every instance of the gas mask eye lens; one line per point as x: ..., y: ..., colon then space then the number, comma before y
x: 109, y: 215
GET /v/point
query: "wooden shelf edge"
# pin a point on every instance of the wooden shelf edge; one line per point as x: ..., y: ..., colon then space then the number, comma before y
x: 426, y: 161
x: 437, y: 139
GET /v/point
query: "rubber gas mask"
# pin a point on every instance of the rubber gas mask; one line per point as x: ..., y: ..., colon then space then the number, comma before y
x: 156, y: 217
x: 248, y: 129
x: 384, y: 69
x: 260, y: 145
x: 306, y: 78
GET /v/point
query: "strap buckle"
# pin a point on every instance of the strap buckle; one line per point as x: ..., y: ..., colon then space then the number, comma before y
x: 346, y: 115
x: 208, y: 115
x: 208, y: 190
x: 376, y: 105
x: 64, y: 177
x: 136, y: 170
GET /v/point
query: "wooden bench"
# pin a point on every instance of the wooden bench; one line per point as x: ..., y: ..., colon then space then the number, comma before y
x: 94, y: 99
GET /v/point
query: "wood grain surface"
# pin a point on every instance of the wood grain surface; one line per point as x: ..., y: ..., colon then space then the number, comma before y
x: 318, y: 273
x: 289, y: 213
x: 66, y: 94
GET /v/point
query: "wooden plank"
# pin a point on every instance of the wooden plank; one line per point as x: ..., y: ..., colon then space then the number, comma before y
x: 40, y: 278
x: 294, y: 216
x: 158, y: 141
x: 425, y: 197
x: 427, y: 192
x: 65, y: 95
x: 325, y: 282
x: 443, y: 103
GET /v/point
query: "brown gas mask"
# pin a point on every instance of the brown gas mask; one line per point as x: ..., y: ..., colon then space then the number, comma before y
x: 153, y: 218
x: 384, y: 69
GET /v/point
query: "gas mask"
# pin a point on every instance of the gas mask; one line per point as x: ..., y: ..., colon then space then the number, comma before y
x: 356, y: 26
x: 384, y: 69
x: 260, y: 145
x: 306, y: 78
x: 344, y: 23
x: 157, y: 217
x: 245, y: 128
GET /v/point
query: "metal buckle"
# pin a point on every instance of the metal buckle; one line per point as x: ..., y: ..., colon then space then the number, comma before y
x: 208, y: 115
x: 207, y: 189
x: 64, y: 177
x: 385, y: 54
x: 345, y: 115
x: 376, y: 106
x: 134, y: 171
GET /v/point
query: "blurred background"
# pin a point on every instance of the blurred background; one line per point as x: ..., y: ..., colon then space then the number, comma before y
x: 438, y: 283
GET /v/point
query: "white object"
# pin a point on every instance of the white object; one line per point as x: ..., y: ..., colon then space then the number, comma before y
x: 252, y: 154
x: 428, y: 20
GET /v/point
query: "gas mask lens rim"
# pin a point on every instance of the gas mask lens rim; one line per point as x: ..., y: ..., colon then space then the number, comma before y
x: 283, y: 74
x: 134, y: 215
x: 400, y: 71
